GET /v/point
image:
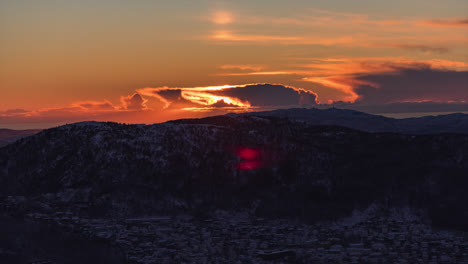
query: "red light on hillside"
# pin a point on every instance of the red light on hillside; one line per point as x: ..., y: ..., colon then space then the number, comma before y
x: 249, y: 165
x: 248, y: 153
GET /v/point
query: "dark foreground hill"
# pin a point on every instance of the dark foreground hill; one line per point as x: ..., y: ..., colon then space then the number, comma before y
x: 268, y: 166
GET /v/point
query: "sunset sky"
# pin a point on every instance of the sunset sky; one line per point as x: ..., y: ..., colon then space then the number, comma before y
x: 148, y: 61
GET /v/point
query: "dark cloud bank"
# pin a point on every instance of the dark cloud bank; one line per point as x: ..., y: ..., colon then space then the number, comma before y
x: 272, y: 95
x: 415, y: 85
x: 258, y: 95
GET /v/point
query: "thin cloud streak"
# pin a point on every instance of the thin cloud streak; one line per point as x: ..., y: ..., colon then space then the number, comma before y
x: 440, y: 44
x: 89, y: 106
x: 226, y: 35
x: 259, y: 73
x: 346, y: 29
x: 421, y: 47
x: 461, y: 22
x: 233, y: 37
x: 319, y: 17
x: 343, y: 74
x: 242, y: 67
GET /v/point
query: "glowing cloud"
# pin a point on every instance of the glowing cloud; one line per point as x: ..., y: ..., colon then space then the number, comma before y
x: 342, y: 85
x: 222, y: 18
x: 225, y: 35
x: 242, y: 96
x: 133, y: 102
x: 194, y: 95
x: 208, y: 99
x: 271, y: 95
x: 91, y: 106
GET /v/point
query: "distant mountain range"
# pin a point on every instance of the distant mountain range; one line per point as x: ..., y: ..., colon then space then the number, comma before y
x: 262, y: 163
x: 8, y: 136
x: 451, y: 123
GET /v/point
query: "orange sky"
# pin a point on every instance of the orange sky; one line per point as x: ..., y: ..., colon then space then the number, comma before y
x: 66, y: 61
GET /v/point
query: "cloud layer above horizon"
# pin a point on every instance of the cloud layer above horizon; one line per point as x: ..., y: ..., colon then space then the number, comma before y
x: 418, y: 88
x: 146, y: 62
x: 148, y: 105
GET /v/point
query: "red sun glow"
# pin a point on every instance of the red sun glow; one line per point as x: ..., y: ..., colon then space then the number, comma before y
x: 248, y: 153
x: 250, y: 158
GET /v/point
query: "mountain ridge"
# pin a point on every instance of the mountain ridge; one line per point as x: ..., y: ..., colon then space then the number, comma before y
x: 194, y: 166
x: 8, y: 136
x: 449, y: 123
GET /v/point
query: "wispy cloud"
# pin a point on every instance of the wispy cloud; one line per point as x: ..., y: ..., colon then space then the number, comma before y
x: 343, y: 74
x: 421, y: 47
x: 327, y: 28
x: 242, y: 67
x: 430, y: 79
x: 459, y: 22
x: 94, y: 106
x: 226, y: 35
x: 79, y: 111
x: 259, y: 73
x: 323, y: 67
